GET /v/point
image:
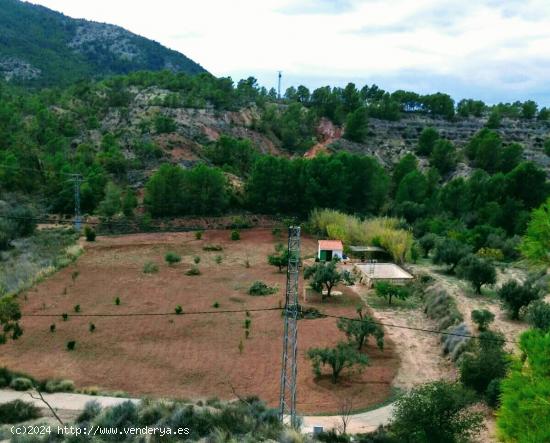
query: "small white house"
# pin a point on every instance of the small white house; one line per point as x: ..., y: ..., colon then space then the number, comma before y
x: 329, y: 249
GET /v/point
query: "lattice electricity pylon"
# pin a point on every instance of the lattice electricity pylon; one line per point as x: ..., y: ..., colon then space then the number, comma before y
x: 287, y: 399
x: 77, y: 180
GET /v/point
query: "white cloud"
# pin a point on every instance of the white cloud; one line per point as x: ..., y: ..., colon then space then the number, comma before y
x: 501, y: 48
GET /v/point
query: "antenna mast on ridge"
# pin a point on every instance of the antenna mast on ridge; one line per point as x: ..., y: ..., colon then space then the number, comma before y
x: 279, y: 85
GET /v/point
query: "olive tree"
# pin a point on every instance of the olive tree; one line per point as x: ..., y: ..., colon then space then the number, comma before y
x: 326, y: 275
x: 360, y: 329
x: 477, y: 271
x: 343, y: 356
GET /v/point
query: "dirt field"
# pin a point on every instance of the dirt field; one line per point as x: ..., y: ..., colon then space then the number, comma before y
x: 184, y: 356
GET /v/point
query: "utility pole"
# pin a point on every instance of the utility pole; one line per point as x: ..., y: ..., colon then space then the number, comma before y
x: 279, y: 87
x: 287, y: 399
x: 77, y: 180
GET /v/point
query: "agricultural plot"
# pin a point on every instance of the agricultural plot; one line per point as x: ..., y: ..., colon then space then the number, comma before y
x: 185, y: 356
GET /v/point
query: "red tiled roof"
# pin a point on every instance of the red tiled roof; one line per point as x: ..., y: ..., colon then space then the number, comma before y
x: 330, y: 245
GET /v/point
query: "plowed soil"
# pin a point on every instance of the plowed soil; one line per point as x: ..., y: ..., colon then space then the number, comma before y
x: 185, y: 356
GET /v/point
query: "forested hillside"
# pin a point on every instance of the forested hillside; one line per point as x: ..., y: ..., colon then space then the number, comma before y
x: 39, y: 46
x: 234, y: 147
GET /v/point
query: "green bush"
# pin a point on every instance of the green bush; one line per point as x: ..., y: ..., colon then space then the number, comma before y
x: 92, y: 327
x: 21, y: 384
x: 89, y: 233
x: 197, y: 260
x: 59, y: 386
x: 172, y: 258
x: 71, y: 345
x: 260, y: 288
x: 150, y: 267
x: 52, y: 327
x: 198, y: 235
x: 65, y: 316
x: 235, y: 235
x: 482, y: 318
x: 77, y: 308
x: 17, y: 411
x: 216, y: 305
x: 212, y: 248
x: 193, y: 271
x: 178, y: 310
x: 218, y: 259
x: 538, y: 315
x: 515, y: 296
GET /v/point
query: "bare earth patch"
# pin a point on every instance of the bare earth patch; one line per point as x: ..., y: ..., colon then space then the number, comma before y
x: 421, y: 359
x: 184, y: 356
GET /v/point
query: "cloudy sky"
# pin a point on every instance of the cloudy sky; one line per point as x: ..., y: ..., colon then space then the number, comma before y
x: 496, y: 50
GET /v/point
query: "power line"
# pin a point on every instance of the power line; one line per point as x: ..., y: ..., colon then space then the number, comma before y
x: 236, y: 311
x: 431, y: 331
x: 159, y: 314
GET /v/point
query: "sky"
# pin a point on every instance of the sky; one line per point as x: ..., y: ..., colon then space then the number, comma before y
x: 494, y: 50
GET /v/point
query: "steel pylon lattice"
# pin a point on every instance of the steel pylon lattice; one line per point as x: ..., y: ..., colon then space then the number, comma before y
x: 287, y: 399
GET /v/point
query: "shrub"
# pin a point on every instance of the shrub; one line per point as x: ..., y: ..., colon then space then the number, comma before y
x: 197, y: 260
x: 538, y: 315
x: 89, y: 233
x: 92, y: 327
x: 71, y: 345
x: 52, y: 327
x: 117, y: 301
x: 515, y: 296
x: 218, y: 259
x: 235, y: 235
x: 150, y: 267
x: 198, y: 235
x: 216, y: 305
x: 193, y: 271
x: 59, y: 386
x: 436, y: 412
x: 90, y: 411
x: 178, y: 310
x: 172, y: 258
x: 17, y: 411
x: 440, y: 306
x: 247, y: 323
x: 77, y: 308
x: 487, y: 362
x: 21, y: 384
x: 482, y: 318
x: 65, y: 316
x: 491, y: 254
x: 212, y: 248
x: 260, y: 288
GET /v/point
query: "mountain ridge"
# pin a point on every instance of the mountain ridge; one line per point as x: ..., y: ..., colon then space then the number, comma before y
x: 47, y: 48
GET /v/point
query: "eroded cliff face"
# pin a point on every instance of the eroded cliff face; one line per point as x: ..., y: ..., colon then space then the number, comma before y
x: 195, y: 128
